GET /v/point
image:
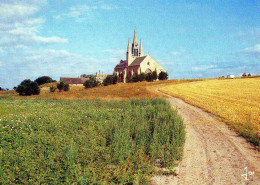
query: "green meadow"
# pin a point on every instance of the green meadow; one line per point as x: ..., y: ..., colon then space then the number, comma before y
x: 87, y: 142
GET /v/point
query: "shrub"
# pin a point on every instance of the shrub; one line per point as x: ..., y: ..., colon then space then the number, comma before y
x: 135, y: 78
x: 148, y: 77
x: 154, y: 75
x: 60, y: 85
x: 44, y: 79
x: 142, y: 77
x: 249, y: 74
x: 115, y: 79
x: 91, y: 83
x: 52, y: 89
x: 66, y: 87
x: 163, y: 75
x: 27, y: 88
x: 110, y: 79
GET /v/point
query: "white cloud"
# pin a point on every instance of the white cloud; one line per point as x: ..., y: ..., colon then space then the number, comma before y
x: 19, y: 24
x: 203, y: 67
x: 115, y: 51
x: 2, y: 64
x: 255, y: 50
x: 175, y: 53
x: 85, y: 12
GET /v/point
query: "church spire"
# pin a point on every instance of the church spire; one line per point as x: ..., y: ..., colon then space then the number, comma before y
x: 128, y: 46
x: 134, y: 41
x: 141, y: 49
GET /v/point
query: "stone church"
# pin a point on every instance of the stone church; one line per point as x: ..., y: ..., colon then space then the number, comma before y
x: 136, y: 62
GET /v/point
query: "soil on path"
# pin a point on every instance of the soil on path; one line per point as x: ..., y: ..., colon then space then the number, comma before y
x: 213, y: 153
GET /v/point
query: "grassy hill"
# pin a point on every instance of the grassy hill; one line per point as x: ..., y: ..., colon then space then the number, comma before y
x: 121, y: 91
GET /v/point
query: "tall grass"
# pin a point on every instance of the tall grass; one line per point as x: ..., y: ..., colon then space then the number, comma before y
x: 86, y: 142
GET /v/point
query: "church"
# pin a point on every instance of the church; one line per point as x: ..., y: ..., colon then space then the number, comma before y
x: 136, y: 62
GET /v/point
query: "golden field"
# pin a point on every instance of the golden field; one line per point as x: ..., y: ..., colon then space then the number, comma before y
x: 121, y: 91
x: 237, y: 101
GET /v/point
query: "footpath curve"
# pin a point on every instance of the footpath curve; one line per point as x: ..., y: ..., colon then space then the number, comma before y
x: 213, y: 153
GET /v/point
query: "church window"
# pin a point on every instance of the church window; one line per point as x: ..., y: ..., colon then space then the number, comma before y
x: 135, y: 52
x: 148, y: 63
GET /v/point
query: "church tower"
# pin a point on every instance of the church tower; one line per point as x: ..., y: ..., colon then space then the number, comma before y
x: 135, y: 51
x: 135, y: 48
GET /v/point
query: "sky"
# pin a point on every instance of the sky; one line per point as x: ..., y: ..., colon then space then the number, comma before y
x: 190, y: 39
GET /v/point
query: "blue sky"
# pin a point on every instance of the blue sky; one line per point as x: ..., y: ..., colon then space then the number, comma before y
x: 190, y: 39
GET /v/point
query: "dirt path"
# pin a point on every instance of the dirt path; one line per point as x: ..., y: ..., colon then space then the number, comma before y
x: 213, y: 154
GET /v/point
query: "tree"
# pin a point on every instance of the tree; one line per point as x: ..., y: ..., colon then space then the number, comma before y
x: 60, y: 85
x: 66, y: 87
x: 115, y: 79
x: 148, y: 77
x: 27, y: 88
x: 154, y: 75
x: 163, y: 75
x: 142, y: 77
x: 244, y: 75
x: 135, y: 78
x: 108, y: 80
x: 91, y: 83
x: 44, y: 79
x: 249, y: 74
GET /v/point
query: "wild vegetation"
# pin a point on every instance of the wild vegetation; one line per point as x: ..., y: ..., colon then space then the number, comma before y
x: 86, y: 142
x: 237, y: 101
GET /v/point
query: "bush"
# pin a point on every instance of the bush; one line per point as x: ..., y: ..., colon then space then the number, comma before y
x: 142, y: 77
x: 52, y: 89
x: 44, y: 79
x: 63, y: 86
x: 148, y: 77
x: 27, y: 88
x: 154, y: 75
x: 115, y: 79
x: 66, y: 87
x: 163, y: 75
x: 91, y: 83
x: 111, y: 79
x: 60, y: 85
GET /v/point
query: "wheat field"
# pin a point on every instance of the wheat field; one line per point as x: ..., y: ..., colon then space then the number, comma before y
x: 237, y: 101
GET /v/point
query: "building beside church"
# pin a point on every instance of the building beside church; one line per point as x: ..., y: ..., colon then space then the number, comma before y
x: 136, y: 62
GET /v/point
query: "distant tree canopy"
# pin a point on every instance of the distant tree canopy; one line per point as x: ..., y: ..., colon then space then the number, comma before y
x: 27, y: 88
x: 44, y: 79
x: 163, y: 75
x: 244, y: 74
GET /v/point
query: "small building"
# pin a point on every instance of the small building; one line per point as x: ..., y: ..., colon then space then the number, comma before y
x: 230, y: 76
x: 73, y: 81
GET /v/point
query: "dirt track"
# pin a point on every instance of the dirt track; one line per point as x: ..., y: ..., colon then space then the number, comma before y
x: 213, y: 154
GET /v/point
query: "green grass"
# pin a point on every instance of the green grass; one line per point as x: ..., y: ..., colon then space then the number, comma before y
x: 86, y: 142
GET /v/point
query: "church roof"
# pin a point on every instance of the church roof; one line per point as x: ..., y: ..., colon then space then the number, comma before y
x: 121, y: 64
x: 138, y: 61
